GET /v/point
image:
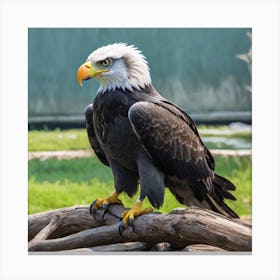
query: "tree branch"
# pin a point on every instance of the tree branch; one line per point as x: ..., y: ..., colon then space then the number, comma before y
x: 73, y: 219
x: 179, y: 228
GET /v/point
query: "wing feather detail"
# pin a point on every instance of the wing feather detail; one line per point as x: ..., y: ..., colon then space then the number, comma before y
x: 92, y: 137
x: 173, y: 144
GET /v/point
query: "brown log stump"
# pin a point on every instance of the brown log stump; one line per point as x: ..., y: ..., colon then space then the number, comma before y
x: 190, y: 230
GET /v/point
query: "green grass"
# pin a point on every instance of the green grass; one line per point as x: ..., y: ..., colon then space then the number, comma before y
x: 55, y: 140
x: 60, y: 183
x: 239, y: 171
x: 75, y: 139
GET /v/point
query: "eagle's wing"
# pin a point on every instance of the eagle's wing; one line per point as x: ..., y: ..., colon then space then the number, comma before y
x: 92, y: 137
x: 173, y: 143
x: 180, y: 113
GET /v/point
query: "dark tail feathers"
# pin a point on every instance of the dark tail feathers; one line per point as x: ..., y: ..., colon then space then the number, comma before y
x: 222, y: 186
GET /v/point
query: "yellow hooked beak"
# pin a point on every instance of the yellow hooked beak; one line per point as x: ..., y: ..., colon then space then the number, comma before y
x: 87, y: 71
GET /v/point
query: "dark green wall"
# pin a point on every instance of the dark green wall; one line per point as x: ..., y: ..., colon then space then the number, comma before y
x: 195, y: 68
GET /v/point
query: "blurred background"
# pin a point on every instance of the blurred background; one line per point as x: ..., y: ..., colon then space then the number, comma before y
x: 197, y: 68
x: 206, y: 71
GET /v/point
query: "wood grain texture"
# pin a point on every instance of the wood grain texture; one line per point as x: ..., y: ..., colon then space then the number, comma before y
x: 179, y: 228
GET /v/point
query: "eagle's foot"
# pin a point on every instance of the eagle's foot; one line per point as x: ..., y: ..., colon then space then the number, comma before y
x: 103, y: 203
x: 129, y: 215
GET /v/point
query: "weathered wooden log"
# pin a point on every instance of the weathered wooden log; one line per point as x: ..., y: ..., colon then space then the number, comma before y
x: 44, y: 234
x: 136, y: 247
x: 72, y: 220
x: 118, y: 247
x: 203, y: 248
x: 180, y: 228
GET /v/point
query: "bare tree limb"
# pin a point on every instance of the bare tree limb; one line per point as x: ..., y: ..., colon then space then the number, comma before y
x: 180, y: 228
x: 73, y: 219
x: 48, y: 229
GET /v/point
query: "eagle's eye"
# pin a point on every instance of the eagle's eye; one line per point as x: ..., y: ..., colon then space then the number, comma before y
x: 106, y: 62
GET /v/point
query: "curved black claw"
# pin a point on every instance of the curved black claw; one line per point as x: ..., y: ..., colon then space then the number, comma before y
x: 105, y: 207
x: 131, y: 223
x: 92, y: 210
x: 122, y: 226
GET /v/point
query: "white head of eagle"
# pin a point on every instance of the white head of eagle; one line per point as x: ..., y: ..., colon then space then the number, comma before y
x: 116, y: 66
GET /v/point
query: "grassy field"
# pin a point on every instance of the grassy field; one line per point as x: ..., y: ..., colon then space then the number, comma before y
x: 76, y: 139
x: 55, y: 140
x: 60, y: 183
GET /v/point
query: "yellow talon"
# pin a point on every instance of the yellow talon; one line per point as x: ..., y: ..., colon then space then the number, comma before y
x: 105, y: 202
x: 98, y: 203
x: 129, y: 215
x: 112, y: 199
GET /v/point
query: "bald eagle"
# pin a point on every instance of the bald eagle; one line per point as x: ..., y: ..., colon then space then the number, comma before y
x: 145, y: 139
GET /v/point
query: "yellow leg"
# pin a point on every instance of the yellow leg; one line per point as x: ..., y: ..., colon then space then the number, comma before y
x: 111, y: 199
x: 129, y: 215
